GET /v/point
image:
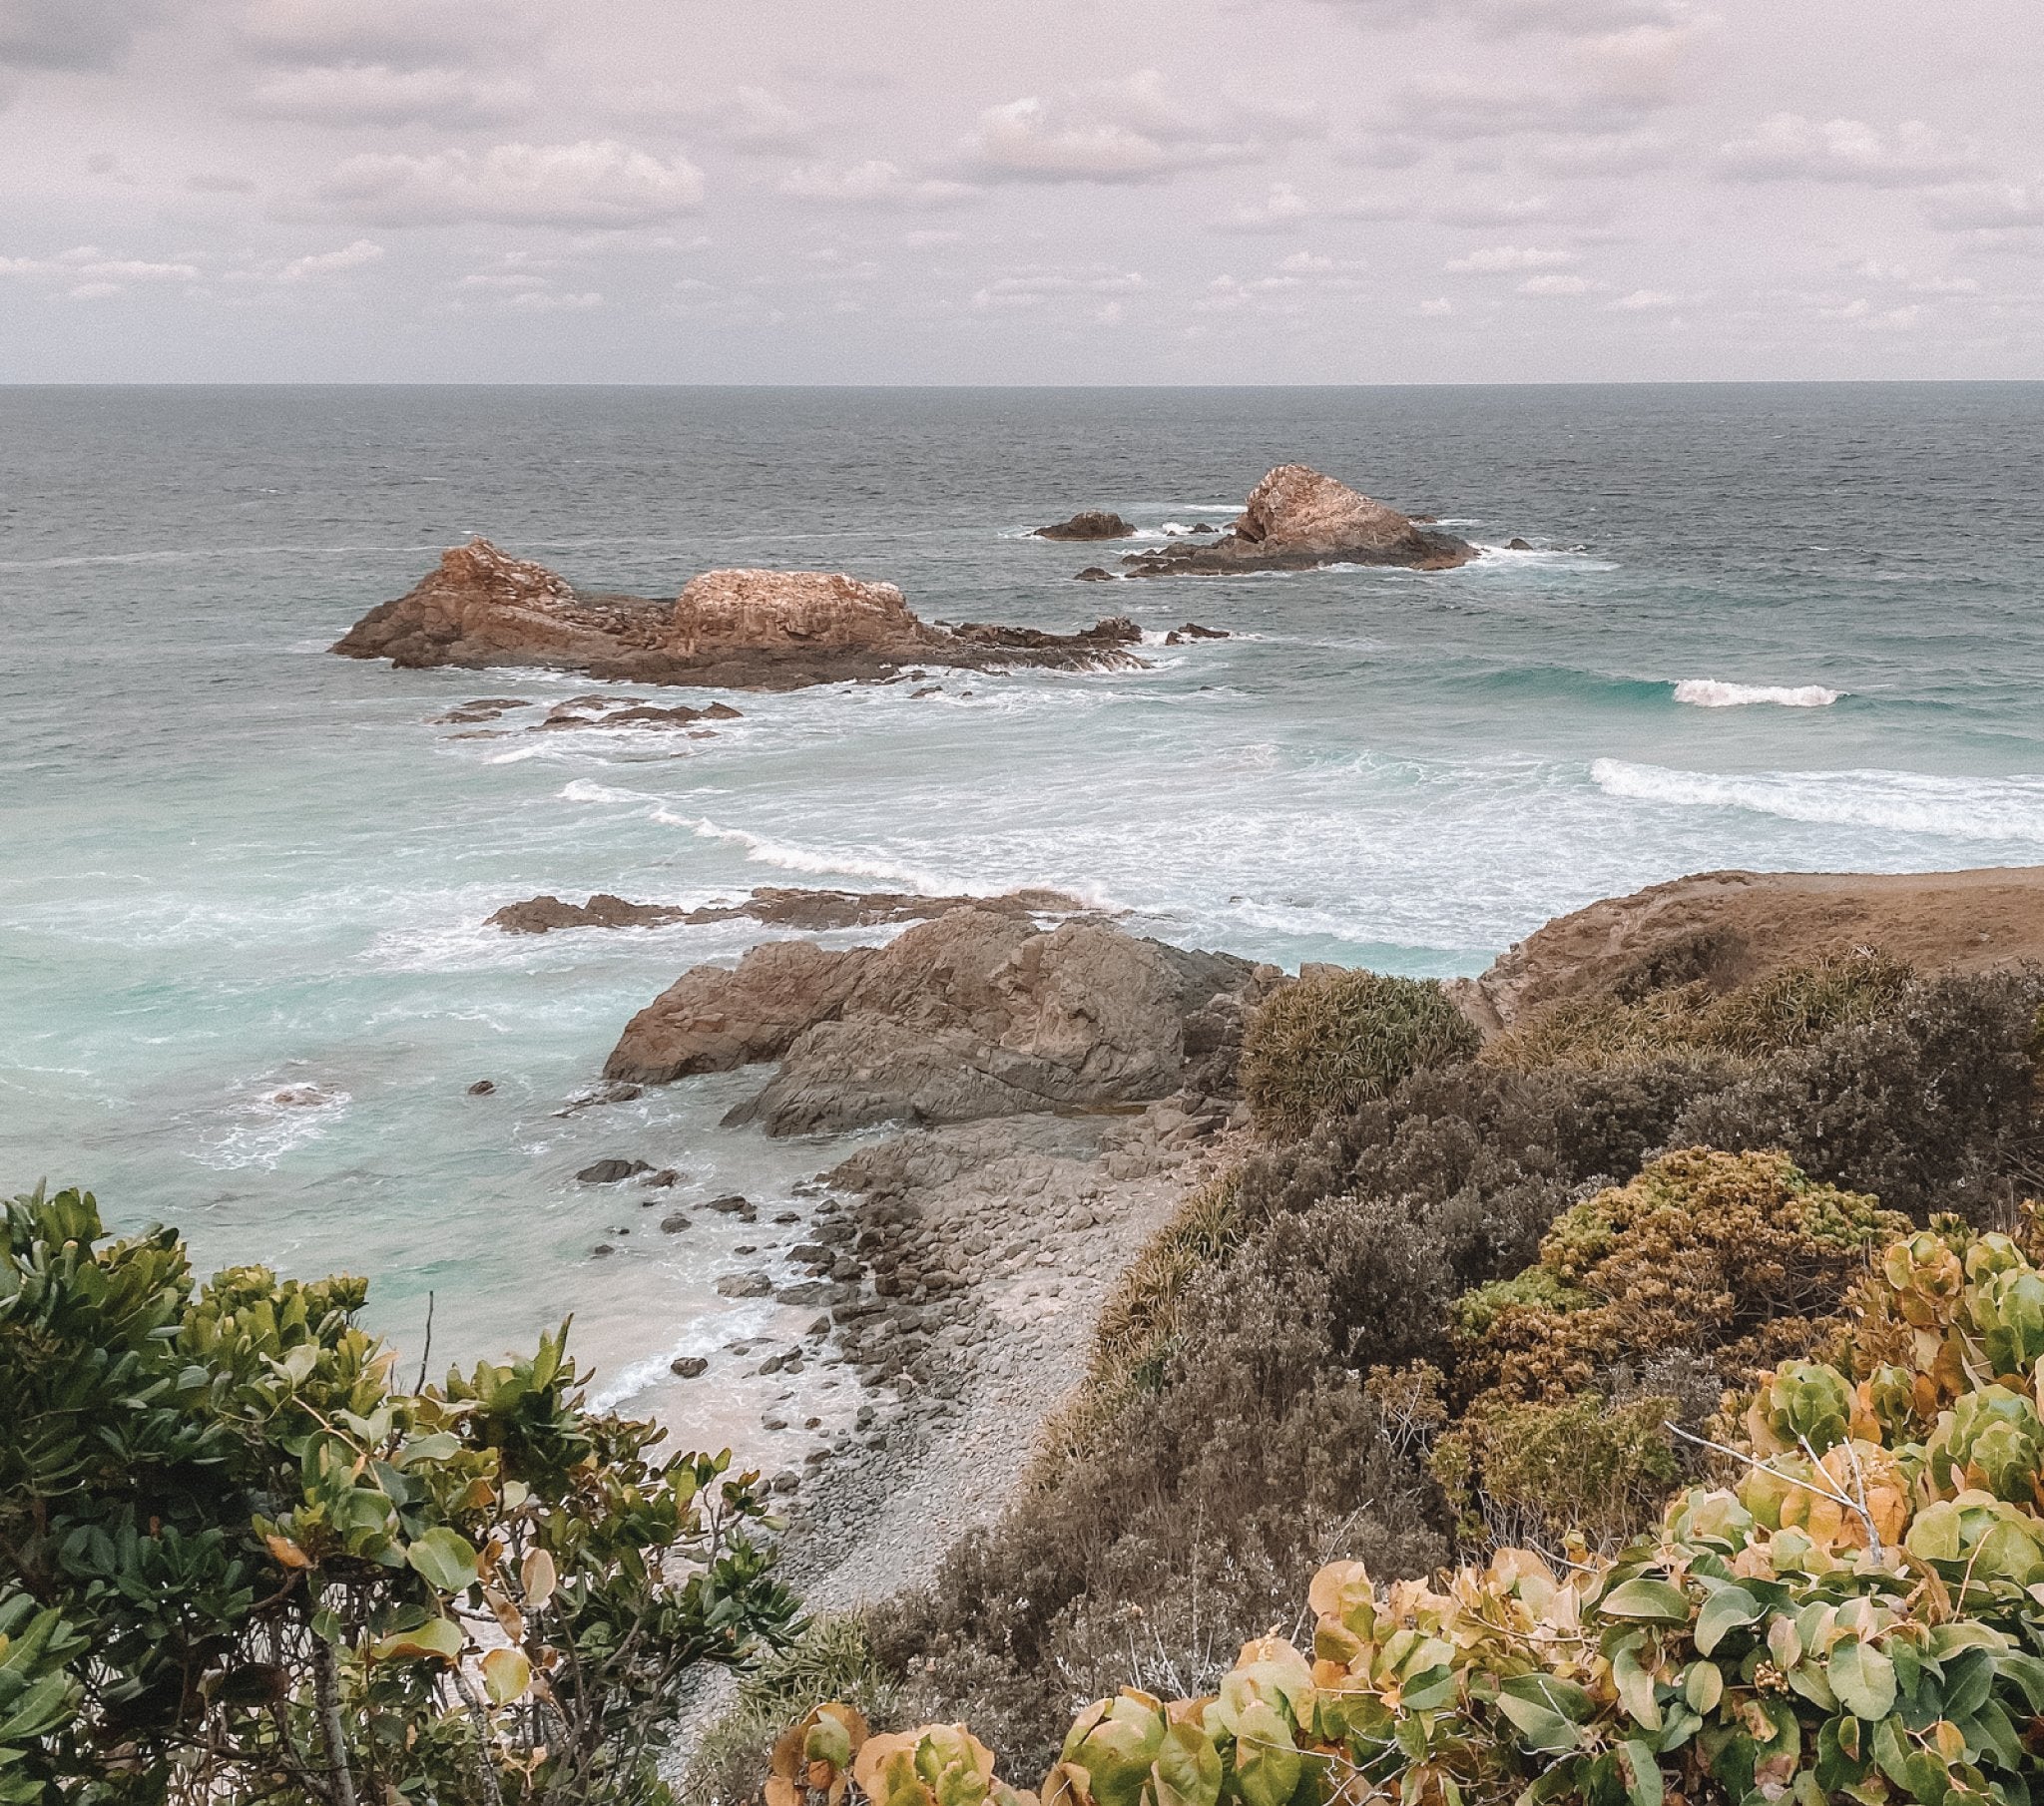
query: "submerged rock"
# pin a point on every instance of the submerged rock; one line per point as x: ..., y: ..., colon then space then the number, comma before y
x: 779, y: 906
x: 733, y: 629
x: 611, y: 1172
x: 1091, y: 523
x: 1297, y: 519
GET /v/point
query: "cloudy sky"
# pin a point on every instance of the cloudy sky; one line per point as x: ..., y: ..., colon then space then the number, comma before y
x: 1063, y: 191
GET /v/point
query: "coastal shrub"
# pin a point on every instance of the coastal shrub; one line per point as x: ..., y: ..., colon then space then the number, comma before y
x: 1734, y: 1260
x: 1631, y: 1023
x: 1330, y: 1041
x: 831, y: 1661
x: 238, y: 1562
x: 1855, y: 1618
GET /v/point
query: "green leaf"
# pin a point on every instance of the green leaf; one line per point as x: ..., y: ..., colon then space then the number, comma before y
x: 1724, y: 1611
x: 1540, y: 1727
x: 1643, y: 1787
x: 1864, y: 1679
x: 1635, y: 1689
x: 1267, y: 1765
x: 438, y: 1637
x: 1703, y: 1686
x: 445, y: 1559
x: 1655, y: 1600
x: 1188, y: 1769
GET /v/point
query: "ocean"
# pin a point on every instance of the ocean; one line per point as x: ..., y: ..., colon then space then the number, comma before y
x: 245, y: 977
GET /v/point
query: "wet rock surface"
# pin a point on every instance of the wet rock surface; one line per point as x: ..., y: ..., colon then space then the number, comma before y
x: 1088, y: 523
x: 1297, y: 519
x: 779, y: 906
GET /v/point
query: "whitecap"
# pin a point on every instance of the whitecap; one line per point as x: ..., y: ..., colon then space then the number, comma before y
x: 1708, y: 693
x: 1910, y: 802
x: 818, y: 861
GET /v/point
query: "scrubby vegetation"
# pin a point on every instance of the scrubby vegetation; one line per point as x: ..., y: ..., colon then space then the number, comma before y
x: 1855, y: 1618
x: 1330, y: 1041
x: 1459, y: 1316
x: 238, y: 1563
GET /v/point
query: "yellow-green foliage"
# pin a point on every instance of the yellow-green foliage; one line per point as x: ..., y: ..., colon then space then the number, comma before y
x: 1737, y: 1259
x: 1857, y: 1621
x: 1788, y: 1009
x: 1329, y: 1044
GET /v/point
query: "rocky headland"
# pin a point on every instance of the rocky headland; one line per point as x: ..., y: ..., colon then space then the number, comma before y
x: 1297, y: 519
x: 1730, y: 928
x: 738, y: 629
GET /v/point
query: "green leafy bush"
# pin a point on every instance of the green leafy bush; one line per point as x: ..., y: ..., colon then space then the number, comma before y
x: 238, y: 1563
x: 1330, y: 1043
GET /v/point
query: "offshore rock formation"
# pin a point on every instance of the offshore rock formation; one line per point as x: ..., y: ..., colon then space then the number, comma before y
x: 742, y: 630
x: 1297, y: 519
x: 1730, y: 928
x: 779, y: 906
x: 1090, y: 523
x: 977, y: 1014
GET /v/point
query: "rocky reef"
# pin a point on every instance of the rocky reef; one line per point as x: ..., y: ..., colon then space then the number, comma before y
x: 1296, y: 518
x: 738, y: 628
x: 977, y: 1014
x: 779, y: 906
x: 1089, y: 523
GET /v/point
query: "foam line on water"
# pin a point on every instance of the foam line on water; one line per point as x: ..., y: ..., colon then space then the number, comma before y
x: 1708, y: 693
x: 1910, y: 802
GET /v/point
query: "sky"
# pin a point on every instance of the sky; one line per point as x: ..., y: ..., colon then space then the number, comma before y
x: 1058, y: 192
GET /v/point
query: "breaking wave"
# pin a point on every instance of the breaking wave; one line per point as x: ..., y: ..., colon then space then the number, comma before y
x: 1708, y: 692
x: 1910, y: 802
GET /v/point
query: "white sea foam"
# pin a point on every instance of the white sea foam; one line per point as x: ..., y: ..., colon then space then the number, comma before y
x: 1708, y: 693
x: 818, y: 861
x: 268, y: 1126
x: 1910, y: 802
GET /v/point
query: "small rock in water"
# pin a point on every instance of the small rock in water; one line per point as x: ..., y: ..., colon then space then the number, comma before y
x: 744, y: 1285
x: 666, y: 1176
x: 601, y: 1250
x: 482, y: 1088
x: 609, y: 1172
x: 673, y: 1225
x: 787, y: 1481
x: 688, y: 1367
x: 1093, y: 573
x: 1518, y: 545
x: 789, y: 1216
x: 729, y: 1205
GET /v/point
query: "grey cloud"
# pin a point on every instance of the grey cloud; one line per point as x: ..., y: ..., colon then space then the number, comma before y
x: 375, y: 94
x: 1139, y: 129
x: 1598, y: 152
x: 206, y: 183
x: 594, y: 183
x: 70, y: 34
x: 404, y: 34
x: 1986, y: 206
x: 1792, y: 147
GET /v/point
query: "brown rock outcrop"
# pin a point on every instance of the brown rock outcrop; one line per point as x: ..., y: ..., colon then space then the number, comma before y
x: 1297, y: 519
x: 1089, y: 523
x: 1729, y: 928
x: 746, y: 629
x: 779, y: 906
x: 976, y: 1014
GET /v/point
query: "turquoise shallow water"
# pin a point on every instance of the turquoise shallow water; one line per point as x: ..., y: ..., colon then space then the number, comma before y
x: 242, y: 971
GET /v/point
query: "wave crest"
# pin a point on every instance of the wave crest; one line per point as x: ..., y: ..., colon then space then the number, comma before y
x: 1708, y: 693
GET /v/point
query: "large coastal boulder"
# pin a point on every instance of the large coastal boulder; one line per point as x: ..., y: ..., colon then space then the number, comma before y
x: 1298, y: 518
x: 735, y: 629
x: 977, y: 1014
